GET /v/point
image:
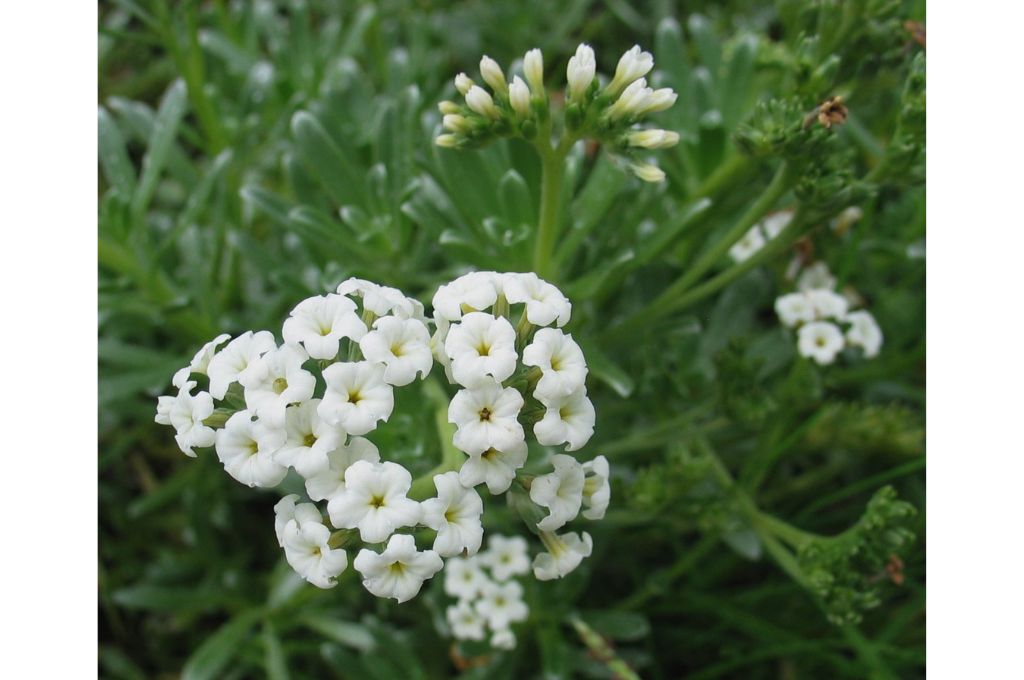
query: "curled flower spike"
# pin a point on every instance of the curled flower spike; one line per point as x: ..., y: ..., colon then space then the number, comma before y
x: 522, y: 109
x: 313, y: 404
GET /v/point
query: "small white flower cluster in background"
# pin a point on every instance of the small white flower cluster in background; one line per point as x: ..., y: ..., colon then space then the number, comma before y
x: 488, y: 596
x: 310, y: 403
x: 609, y: 112
x: 818, y: 313
x: 758, y: 236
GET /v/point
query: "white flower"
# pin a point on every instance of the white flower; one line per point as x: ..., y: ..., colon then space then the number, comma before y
x: 446, y: 107
x: 544, y: 302
x: 486, y: 417
x: 632, y: 65
x: 327, y: 484
x: 750, y: 243
x: 232, y: 362
x: 287, y: 509
x: 492, y: 74
x: 820, y: 340
x: 564, y: 554
x: 864, y: 332
x: 503, y: 639
x: 479, y: 101
x: 560, y: 491
x: 200, y: 362
x: 463, y: 83
x: 473, y: 292
x: 276, y: 380
x: 402, y: 345
x: 647, y: 172
x: 308, y: 439
x: 356, y: 396
x: 186, y: 415
x: 246, y: 449
x: 455, y: 516
x: 519, y: 97
x: 495, y: 468
x: 795, y: 308
x: 466, y: 623
x: 828, y: 304
x: 597, y: 492
x: 568, y: 419
x: 463, y: 578
x: 506, y: 556
x: 502, y: 604
x: 481, y: 345
x: 399, y: 571
x: 560, y: 359
x: 774, y: 224
x: 307, y: 549
x: 580, y: 72
x: 320, y: 322
x: 816, y: 277
x: 533, y: 69
x: 374, y: 500
x: 653, y: 139
x: 379, y: 300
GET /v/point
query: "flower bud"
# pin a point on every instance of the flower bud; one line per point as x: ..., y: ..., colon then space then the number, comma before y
x: 632, y: 101
x: 447, y: 107
x: 455, y: 123
x: 492, y: 75
x: 633, y: 64
x: 659, y: 100
x: 479, y: 101
x: 580, y: 72
x: 447, y: 141
x: 647, y: 172
x: 519, y: 97
x: 463, y: 83
x: 533, y: 68
x: 653, y: 139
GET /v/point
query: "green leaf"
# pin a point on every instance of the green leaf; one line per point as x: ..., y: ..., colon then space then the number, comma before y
x: 117, y: 167
x: 165, y: 127
x: 274, y: 658
x: 618, y: 625
x: 322, y: 156
x: 708, y: 46
x: 669, y: 230
x: 350, y: 634
x: 168, y: 598
x: 607, y: 372
x: 213, y: 656
x: 739, y: 73
x: 554, y: 653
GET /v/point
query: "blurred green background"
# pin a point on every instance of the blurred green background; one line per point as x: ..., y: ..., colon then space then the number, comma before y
x: 255, y: 153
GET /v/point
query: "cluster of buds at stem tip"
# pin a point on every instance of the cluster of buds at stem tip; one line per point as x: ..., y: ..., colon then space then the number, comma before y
x: 610, y: 114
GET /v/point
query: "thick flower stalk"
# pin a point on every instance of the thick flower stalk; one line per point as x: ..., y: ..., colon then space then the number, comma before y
x: 311, y: 405
x: 819, y: 313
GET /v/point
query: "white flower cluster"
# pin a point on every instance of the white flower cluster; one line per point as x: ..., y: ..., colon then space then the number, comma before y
x: 488, y: 597
x: 818, y: 312
x: 308, y: 404
x: 758, y: 236
x: 607, y: 113
x: 480, y: 349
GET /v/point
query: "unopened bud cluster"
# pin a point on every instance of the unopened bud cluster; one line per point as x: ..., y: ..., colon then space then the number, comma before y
x: 819, y: 315
x: 312, y: 403
x: 609, y: 113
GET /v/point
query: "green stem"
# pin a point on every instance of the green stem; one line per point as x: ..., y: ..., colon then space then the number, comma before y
x: 552, y: 172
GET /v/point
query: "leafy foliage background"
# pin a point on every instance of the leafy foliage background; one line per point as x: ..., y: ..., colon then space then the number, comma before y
x: 253, y: 154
